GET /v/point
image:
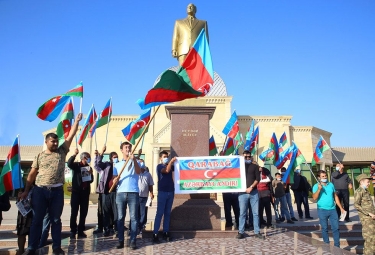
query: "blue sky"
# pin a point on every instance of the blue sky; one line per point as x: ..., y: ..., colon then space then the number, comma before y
x: 314, y: 60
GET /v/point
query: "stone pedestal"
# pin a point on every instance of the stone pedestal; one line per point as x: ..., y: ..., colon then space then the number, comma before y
x: 190, y: 130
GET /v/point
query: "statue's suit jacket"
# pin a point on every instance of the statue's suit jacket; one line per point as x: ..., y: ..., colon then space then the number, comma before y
x: 185, y: 35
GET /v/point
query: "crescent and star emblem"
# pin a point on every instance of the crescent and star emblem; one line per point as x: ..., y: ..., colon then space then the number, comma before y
x: 205, y: 88
x: 207, y: 172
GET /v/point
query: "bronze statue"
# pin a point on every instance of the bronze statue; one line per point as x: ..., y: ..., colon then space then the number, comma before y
x: 186, y: 32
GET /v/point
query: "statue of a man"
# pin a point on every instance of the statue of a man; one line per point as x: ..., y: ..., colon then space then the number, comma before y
x: 186, y: 32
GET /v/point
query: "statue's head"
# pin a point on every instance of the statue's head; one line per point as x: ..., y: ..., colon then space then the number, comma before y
x: 191, y: 9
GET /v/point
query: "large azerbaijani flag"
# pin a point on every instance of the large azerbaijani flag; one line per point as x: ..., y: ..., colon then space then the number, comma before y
x: 208, y: 174
x: 274, y: 145
x: 228, y: 147
x: 90, y: 120
x: 249, y: 135
x: 296, y: 160
x: 11, y: 178
x: 320, y: 148
x: 197, y: 69
x: 136, y: 127
x: 254, y: 141
x: 285, y: 156
x: 51, y: 109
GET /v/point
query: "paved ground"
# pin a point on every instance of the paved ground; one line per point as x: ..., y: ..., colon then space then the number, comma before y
x: 276, y: 242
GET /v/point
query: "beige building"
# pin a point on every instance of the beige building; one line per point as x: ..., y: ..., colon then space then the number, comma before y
x: 159, y: 134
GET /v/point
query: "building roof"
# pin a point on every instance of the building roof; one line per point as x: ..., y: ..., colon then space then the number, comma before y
x: 353, y: 154
x: 28, y: 152
x: 219, y: 88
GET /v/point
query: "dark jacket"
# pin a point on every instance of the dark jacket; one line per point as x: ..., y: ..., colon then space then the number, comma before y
x: 4, y: 205
x: 297, y: 179
x: 77, y: 176
x: 105, y: 169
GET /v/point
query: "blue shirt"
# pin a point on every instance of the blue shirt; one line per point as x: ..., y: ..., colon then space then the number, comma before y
x: 326, y: 199
x: 129, y: 179
x: 165, y: 181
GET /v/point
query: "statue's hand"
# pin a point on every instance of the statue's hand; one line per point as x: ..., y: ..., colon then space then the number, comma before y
x: 174, y: 53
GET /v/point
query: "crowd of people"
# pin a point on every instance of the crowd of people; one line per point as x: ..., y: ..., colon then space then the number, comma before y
x: 126, y: 184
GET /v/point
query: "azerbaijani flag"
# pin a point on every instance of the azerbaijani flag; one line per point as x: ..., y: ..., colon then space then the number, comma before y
x: 296, y: 160
x: 136, y: 127
x: 103, y: 118
x: 249, y: 135
x: 274, y: 145
x: 77, y: 91
x: 283, y: 140
x: 228, y: 147
x: 170, y: 88
x: 254, y: 141
x: 65, y: 124
x: 238, y: 141
x: 285, y: 156
x: 90, y: 119
x: 215, y: 172
x: 51, y: 109
x: 231, y: 128
x: 197, y: 70
x: 212, y: 146
x: 10, y: 178
x: 320, y: 148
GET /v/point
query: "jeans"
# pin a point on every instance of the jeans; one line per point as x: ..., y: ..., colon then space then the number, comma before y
x: 243, y: 200
x: 43, y: 200
x: 324, y: 215
x: 100, y: 212
x: 109, y: 208
x: 302, y: 198
x: 45, y: 231
x: 231, y: 201
x: 283, y: 207
x: 289, y: 204
x: 79, y: 201
x: 142, y: 212
x: 164, y: 207
x: 130, y: 199
x: 343, y: 195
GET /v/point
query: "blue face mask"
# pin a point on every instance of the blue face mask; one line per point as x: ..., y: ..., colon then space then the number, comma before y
x: 141, y: 164
x: 165, y: 161
x: 364, y: 186
x: 248, y: 161
x: 88, y: 160
x: 337, y: 168
x: 115, y: 160
x: 323, y: 180
x: 298, y: 171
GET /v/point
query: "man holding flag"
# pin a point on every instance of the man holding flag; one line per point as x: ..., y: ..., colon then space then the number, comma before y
x: 47, y: 171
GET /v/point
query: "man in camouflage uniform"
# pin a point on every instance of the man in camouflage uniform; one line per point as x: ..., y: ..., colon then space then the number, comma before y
x: 366, y: 211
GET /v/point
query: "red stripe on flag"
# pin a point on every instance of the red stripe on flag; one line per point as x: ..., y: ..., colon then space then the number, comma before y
x: 212, y: 146
x: 166, y: 95
x: 209, y: 174
x: 7, y: 181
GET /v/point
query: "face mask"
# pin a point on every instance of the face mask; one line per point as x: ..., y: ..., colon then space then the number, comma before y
x: 247, y: 161
x: 88, y: 160
x: 298, y: 171
x: 115, y: 160
x: 165, y: 161
x: 141, y: 164
x: 279, y: 179
x: 337, y: 168
x: 364, y: 186
x: 323, y: 180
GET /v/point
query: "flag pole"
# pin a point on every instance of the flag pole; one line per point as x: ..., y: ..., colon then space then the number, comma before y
x: 331, y: 150
x: 143, y: 139
x: 136, y: 145
x: 96, y: 143
x: 80, y: 105
x: 19, y: 160
x: 106, y: 134
x: 311, y: 171
x: 71, y: 122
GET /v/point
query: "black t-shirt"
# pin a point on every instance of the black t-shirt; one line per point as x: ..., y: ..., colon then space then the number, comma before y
x: 252, y: 174
x: 302, y: 184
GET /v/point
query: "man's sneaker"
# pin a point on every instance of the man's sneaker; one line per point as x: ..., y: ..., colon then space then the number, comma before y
x: 348, y: 220
x: 58, y: 251
x: 72, y: 235
x: 155, y: 238
x: 240, y: 236
x: 290, y: 221
x: 294, y: 219
x: 97, y: 231
x: 309, y: 218
x: 166, y: 236
x: 132, y: 245
x: 300, y: 217
x: 106, y: 233
x: 282, y: 219
x: 120, y: 245
x: 260, y: 236
x: 82, y: 235
x: 29, y: 252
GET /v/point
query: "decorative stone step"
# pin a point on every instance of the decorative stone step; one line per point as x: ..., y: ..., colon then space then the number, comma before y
x: 343, y: 233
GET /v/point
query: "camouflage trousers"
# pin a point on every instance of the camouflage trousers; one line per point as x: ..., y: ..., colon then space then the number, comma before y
x: 368, y: 233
